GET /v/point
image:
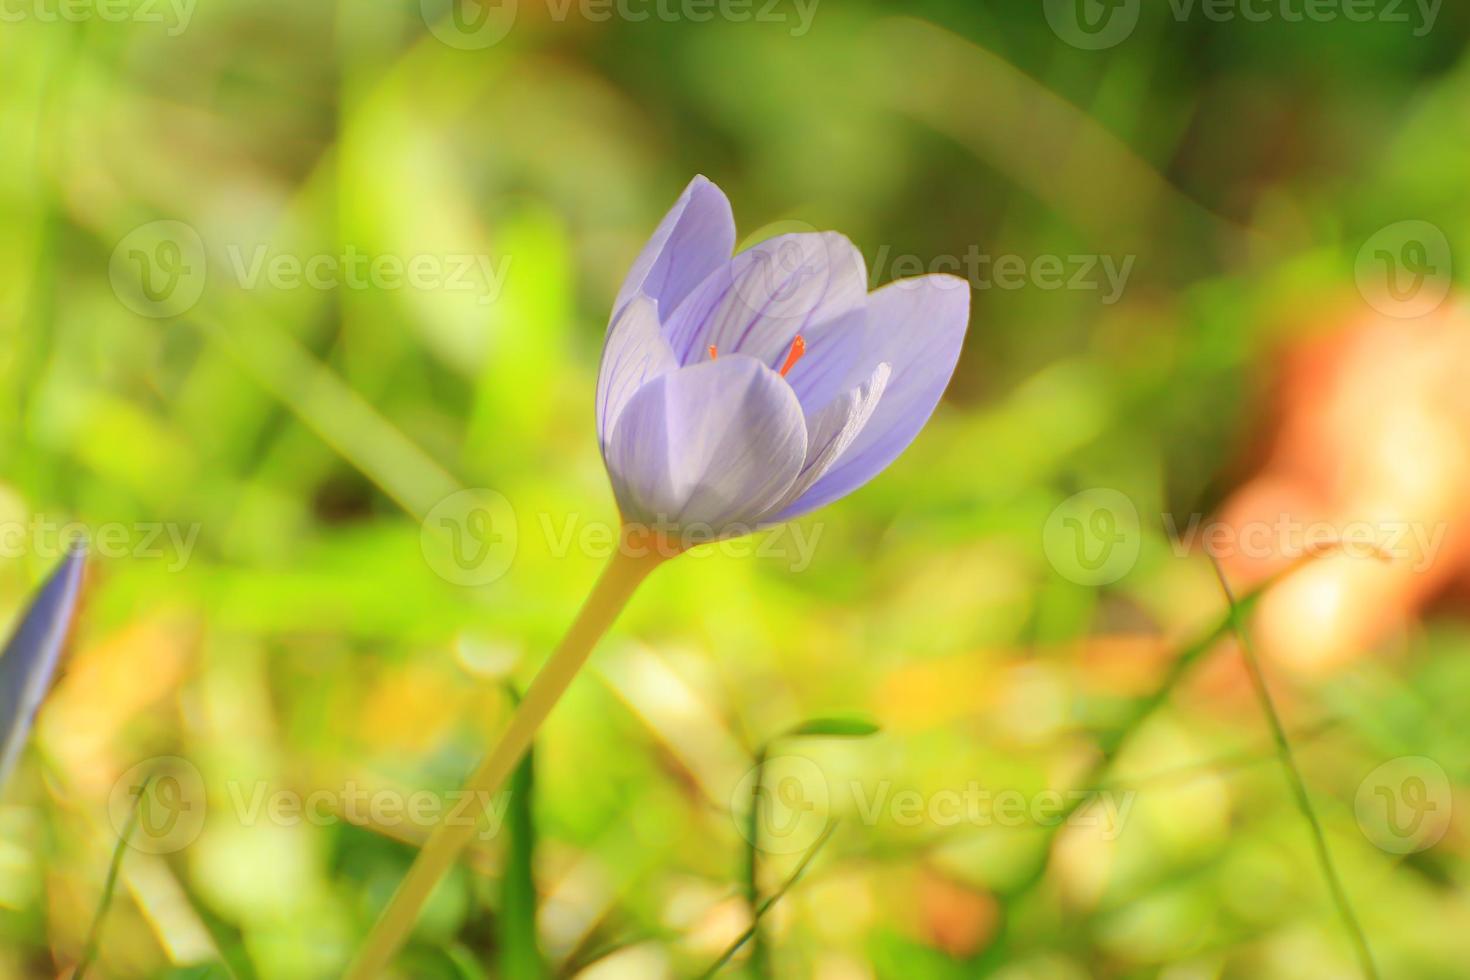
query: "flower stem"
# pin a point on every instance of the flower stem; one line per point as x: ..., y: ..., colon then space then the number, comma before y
x: 620, y: 579
x: 1294, y: 777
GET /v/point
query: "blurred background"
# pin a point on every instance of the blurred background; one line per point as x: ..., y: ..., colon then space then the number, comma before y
x: 281, y: 280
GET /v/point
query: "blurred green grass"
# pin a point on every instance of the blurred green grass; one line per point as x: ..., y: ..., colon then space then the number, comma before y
x: 306, y: 643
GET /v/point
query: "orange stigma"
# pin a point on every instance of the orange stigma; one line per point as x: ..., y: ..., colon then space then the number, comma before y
x: 798, y: 348
x: 714, y: 352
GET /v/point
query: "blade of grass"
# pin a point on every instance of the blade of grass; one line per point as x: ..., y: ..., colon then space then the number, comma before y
x: 766, y: 906
x: 1040, y: 140
x: 1111, y: 742
x: 575, y: 967
x: 160, y: 896
x: 1294, y: 776
x: 1223, y: 764
x: 832, y: 727
x: 520, y: 953
x: 109, y: 888
x: 334, y: 411
x: 36, y: 328
x: 1109, y: 745
x: 759, y: 962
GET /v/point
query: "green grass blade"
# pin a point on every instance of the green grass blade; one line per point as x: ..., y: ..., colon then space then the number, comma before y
x: 109, y: 888
x: 520, y: 951
x: 1294, y: 777
x: 766, y: 906
x: 1109, y: 744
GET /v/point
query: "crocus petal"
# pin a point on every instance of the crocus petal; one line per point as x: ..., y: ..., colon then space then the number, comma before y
x: 917, y: 326
x: 694, y: 239
x: 767, y: 295
x: 836, y: 361
x: 29, y: 660
x: 830, y: 432
x: 634, y: 354
x: 715, y: 445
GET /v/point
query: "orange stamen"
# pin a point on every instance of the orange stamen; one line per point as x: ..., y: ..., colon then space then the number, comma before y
x: 714, y: 352
x: 798, y: 348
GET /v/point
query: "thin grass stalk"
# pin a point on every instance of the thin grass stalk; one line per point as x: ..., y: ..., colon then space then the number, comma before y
x: 760, y: 966
x: 1110, y: 743
x: 1294, y: 778
x: 109, y: 887
x: 768, y: 904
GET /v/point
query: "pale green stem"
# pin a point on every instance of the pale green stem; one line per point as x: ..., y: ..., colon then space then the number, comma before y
x: 620, y: 579
x: 1294, y: 777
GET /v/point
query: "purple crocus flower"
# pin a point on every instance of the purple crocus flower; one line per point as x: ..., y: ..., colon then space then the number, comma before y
x: 29, y: 660
x: 735, y: 392
x: 741, y: 392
